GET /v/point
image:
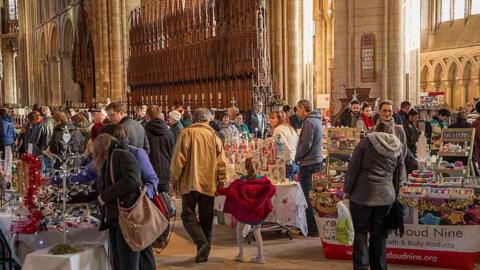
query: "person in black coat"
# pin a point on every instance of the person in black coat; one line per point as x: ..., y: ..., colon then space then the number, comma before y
x: 463, y: 123
x: 162, y: 144
x: 411, y: 130
x: 119, y: 190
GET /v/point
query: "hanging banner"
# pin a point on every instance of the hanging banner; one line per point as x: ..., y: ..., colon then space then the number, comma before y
x: 424, y: 245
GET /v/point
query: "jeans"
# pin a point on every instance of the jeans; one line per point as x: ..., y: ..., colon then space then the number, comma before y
x: 200, y: 230
x: 123, y: 256
x: 306, y: 184
x: 369, y: 252
x: 291, y: 171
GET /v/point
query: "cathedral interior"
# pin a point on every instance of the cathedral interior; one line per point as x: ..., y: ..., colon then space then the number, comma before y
x: 214, y: 53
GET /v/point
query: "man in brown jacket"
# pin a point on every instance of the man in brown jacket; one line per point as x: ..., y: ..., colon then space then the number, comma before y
x: 197, y: 168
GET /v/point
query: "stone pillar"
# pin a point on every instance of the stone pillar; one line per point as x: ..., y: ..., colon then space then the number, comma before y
x: 8, y: 75
x: 116, y: 53
x: 396, y: 47
x: 276, y: 30
x: 295, y: 48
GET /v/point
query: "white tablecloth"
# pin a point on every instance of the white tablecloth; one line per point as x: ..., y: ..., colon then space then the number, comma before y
x: 289, y: 206
x: 28, y: 243
x: 92, y: 258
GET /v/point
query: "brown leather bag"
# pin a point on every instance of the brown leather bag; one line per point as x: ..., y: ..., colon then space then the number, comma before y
x: 142, y: 223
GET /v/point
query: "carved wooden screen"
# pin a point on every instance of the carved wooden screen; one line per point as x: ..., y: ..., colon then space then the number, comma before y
x: 203, y: 53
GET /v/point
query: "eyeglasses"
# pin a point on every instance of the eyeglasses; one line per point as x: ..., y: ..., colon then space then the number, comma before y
x: 386, y: 111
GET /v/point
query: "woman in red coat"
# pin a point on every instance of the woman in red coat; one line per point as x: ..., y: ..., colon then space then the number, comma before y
x: 249, y: 200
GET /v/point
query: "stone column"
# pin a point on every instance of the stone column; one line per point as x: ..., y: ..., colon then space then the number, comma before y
x: 276, y: 9
x: 116, y: 53
x: 294, y: 56
x: 396, y: 60
x: 8, y: 75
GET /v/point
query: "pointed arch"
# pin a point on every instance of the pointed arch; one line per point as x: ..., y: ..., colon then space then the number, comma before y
x: 424, y: 77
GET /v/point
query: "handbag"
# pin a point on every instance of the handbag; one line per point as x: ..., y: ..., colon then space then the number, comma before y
x: 394, y: 219
x: 142, y: 223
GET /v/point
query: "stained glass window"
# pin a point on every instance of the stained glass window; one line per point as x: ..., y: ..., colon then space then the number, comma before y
x: 446, y: 4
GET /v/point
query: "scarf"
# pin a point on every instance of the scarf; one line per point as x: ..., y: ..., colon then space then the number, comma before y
x: 368, y: 121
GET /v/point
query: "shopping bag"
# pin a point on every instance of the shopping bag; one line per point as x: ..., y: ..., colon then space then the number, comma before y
x: 344, y: 232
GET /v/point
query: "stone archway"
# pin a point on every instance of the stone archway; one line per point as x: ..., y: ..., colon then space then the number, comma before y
x: 54, y: 68
x: 70, y: 90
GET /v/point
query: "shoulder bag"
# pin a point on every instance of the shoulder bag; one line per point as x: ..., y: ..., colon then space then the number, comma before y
x: 142, y: 223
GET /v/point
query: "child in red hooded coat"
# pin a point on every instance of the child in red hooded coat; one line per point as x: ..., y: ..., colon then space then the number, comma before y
x: 249, y: 200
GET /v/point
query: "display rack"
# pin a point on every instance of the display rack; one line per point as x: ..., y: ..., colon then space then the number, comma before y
x: 455, y: 143
x: 340, y: 146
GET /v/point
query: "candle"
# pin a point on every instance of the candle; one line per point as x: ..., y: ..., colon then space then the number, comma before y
x: 211, y: 96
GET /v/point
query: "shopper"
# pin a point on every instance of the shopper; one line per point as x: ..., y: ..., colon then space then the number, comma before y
x: 257, y: 121
x: 386, y: 116
x: 198, y: 166
x: 469, y: 108
x: 249, y: 200
x: 27, y: 131
x: 461, y: 121
x: 309, y: 155
x: 79, y: 138
x: 350, y: 117
x: 229, y: 130
x: 57, y: 145
x: 476, y: 126
x: 433, y: 129
x: 8, y: 131
x: 411, y: 131
x: 120, y: 189
x: 288, y: 136
x: 295, y: 121
x: 366, y: 122
x: 174, y: 123
x: 288, y: 112
x: 401, y: 117
x: 241, y: 126
x: 372, y: 183
x: 162, y: 143
x: 117, y: 112
x: 186, y: 119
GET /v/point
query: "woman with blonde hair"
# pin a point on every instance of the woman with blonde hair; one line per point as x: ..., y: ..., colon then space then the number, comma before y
x: 287, y: 134
x: 120, y: 189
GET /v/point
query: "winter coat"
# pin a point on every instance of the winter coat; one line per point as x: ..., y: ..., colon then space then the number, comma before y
x: 230, y: 132
x: 400, y: 117
x: 126, y: 186
x: 295, y: 121
x: 243, y: 129
x: 400, y: 133
x: 348, y: 120
x: 176, y: 128
x: 79, y: 139
x: 217, y: 126
x: 41, y: 135
x: 198, y: 161
x: 460, y: 124
x: 365, y: 123
x: 187, y: 122
x: 56, y: 143
x: 257, y: 123
x: 135, y: 133
x: 289, y: 138
x: 412, y: 134
x: 375, y: 170
x: 162, y: 143
x: 9, y: 132
x: 149, y: 178
x: 309, y: 149
x: 249, y: 201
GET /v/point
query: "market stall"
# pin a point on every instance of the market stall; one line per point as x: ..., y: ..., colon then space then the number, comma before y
x: 289, y: 203
x: 39, y: 213
x: 442, y: 214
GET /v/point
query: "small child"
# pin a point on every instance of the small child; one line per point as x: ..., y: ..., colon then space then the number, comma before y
x: 249, y: 201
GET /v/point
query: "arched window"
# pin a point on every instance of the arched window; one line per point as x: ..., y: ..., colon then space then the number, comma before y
x: 459, y: 9
x: 475, y: 7
x: 446, y: 10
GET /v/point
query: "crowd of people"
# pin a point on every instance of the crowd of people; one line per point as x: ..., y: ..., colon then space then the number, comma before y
x: 183, y: 153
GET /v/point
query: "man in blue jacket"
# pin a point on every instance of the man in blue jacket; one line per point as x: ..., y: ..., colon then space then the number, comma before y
x: 309, y: 155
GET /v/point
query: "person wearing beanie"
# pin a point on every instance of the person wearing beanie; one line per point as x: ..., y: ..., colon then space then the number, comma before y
x: 174, y: 122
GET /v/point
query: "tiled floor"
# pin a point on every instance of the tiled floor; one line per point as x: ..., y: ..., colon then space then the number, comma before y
x: 280, y: 252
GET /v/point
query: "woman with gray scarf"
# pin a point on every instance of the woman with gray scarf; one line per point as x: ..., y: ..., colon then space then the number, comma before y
x: 372, y: 183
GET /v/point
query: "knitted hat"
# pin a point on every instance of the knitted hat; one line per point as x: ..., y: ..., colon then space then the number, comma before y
x: 175, y: 115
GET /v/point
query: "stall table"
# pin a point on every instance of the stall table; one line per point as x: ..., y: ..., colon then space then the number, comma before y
x: 289, y: 206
